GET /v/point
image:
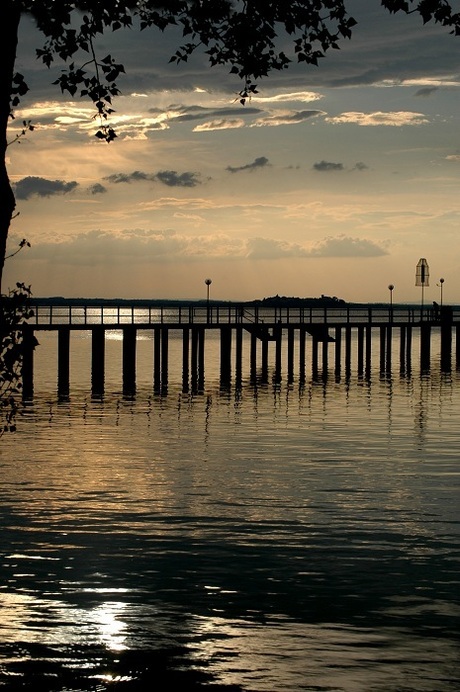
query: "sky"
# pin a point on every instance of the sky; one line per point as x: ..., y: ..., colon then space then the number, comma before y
x: 332, y: 180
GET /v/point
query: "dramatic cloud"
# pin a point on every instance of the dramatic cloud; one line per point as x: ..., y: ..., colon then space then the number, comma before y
x: 260, y: 162
x: 396, y: 119
x: 42, y: 187
x: 328, y: 166
x: 169, y: 178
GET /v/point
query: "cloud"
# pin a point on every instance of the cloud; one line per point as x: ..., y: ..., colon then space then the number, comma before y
x: 181, y: 113
x: 426, y: 91
x: 339, y: 246
x: 136, y: 247
x: 345, y: 246
x: 303, y: 96
x: 328, y: 166
x: 135, y: 176
x: 212, y: 125
x: 42, y: 187
x: 97, y: 189
x: 390, y: 119
x: 260, y: 162
x: 140, y: 247
x: 173, y: 179
x: 269, y: 248
x: 169, y: 178
x: 286, y: 118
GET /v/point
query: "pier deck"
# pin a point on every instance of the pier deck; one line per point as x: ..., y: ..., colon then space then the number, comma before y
x: 321, y: 325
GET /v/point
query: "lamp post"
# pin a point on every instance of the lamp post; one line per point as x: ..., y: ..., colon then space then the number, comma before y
x: 208, y: 283
x: 391, y: 289
x: 441, y: 281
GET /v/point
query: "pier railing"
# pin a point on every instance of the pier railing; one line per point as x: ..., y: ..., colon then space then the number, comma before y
x: 214, y: 315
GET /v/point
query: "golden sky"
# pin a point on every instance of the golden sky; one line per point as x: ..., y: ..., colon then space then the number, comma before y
x: 332, y: 180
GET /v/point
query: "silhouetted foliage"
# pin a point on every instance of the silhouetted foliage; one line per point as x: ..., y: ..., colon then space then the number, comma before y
x: 14, y: 311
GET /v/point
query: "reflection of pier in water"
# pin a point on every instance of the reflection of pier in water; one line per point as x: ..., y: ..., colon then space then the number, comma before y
x: 329, y: 331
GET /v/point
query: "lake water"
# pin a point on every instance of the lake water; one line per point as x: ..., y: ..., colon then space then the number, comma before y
x: 269, y: 538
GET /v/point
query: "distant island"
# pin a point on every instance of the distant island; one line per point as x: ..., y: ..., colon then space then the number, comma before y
x: 272, y: 301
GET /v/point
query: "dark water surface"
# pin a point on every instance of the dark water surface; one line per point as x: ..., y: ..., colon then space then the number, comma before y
x: 273, y: 538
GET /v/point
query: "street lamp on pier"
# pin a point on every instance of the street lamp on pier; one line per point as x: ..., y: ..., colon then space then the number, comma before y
x: 208, y: 283
x: 391, y: 289
x: 440, y: 284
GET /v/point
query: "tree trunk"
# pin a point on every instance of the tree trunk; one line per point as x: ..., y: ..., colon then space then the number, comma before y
x: 9, y: 26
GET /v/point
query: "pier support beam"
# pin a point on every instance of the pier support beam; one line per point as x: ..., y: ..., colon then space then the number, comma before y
x: 409, y: 350
x: 302, y: 354
x: 239, y: 356
x: 97, y: 361
x: 194, y: 358
x: 338, y: 352
x: 278, y: 344
x: 389, y: 337
x: 157, y: 360
x: 446, y: 347
x: 325, y: 354
x: 264, y: 372
x: 314, y: 357
x: 347, y: 351
x: 425, y: 345
x: 402, y: 350
x: 225, y: 355
x: 185, y: 359
x: 290, y: 355
x: 253, y: 358
x: 368, y: 352
x: 63, y: 362
x: 360, y: 351
x: 164, y: 359
x: 129, y: 360
x: 382, y: 349
x: 201, y: 339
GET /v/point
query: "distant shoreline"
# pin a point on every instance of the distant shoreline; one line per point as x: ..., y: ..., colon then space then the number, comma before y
x: 274, y: 301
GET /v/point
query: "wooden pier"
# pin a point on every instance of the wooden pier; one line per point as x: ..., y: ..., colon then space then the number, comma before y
x: 331, y: 332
